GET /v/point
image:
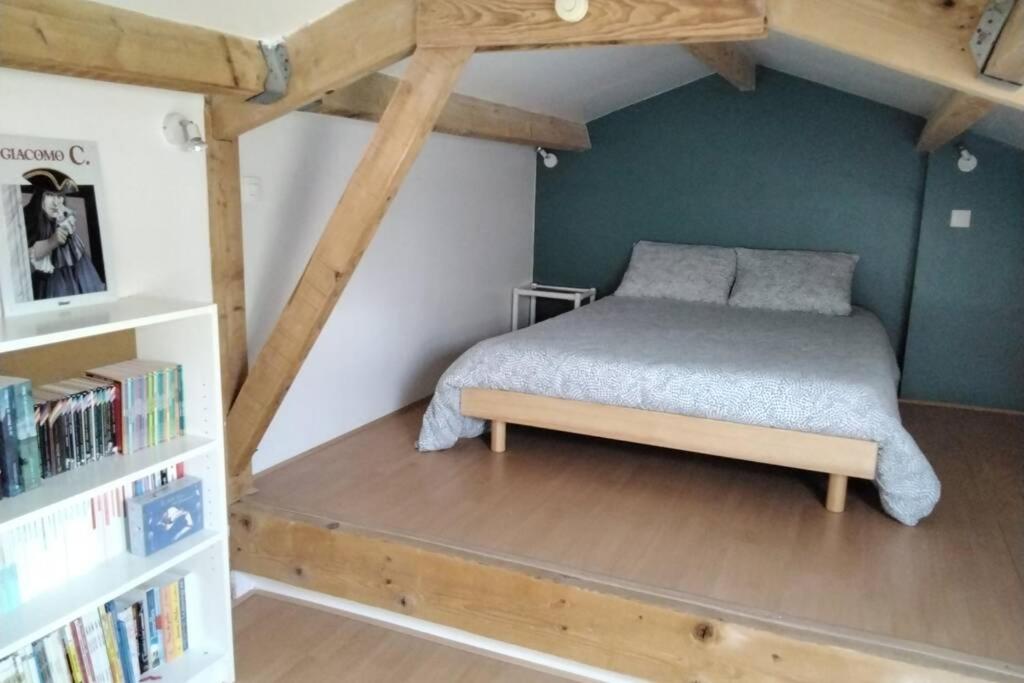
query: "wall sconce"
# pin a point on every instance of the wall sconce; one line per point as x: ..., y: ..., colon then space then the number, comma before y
x: 571, y: 10
x: 966, y: 161
x: 183, y: 133
x: 550, y: 160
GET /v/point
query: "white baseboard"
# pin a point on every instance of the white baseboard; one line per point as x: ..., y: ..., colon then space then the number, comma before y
x: 243, y: 583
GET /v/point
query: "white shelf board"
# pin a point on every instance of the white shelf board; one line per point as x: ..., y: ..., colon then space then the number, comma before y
x: 90, y: 479
x: 106, y: 581
x: 194, y: 666
x: 39, y: 329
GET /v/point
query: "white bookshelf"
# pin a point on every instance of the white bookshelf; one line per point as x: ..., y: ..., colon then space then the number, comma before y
x: 167, y: 330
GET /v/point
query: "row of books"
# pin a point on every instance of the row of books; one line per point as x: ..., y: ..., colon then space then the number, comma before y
x: 152, y: 401
x: 71, y: 540
x: 122, y: 642
x: 119, y: 408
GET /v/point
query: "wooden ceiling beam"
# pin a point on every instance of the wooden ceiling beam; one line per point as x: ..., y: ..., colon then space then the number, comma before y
x: 396, y: 142
x: 920, y: 38
x: 462, y: 115
x: 526, y: 24
x: 953, y: 117
x: 353, y: 41
x: 727, y: 60
x: 1007, y: 59
x: 90, y: 40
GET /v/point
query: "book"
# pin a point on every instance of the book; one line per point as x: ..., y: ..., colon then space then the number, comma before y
x: 25, y: 432
x: 110, y: 643
x: 154, y: 627
x: 165, y: 516
x: 151, y: 403
x: 75, y: 663
x: 10, y: 468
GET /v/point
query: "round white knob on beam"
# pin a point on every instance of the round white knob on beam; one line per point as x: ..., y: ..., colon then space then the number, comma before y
x: 571, y: 10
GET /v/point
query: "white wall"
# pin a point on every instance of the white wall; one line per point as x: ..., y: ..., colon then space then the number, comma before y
x: 436, y: 278
x: 155, y: 194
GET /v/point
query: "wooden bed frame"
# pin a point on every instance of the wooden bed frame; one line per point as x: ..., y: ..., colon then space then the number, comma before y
x: 838, y: 457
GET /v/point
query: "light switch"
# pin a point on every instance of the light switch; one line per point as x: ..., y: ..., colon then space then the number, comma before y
x: 960, y: 218
x: 252, y: 188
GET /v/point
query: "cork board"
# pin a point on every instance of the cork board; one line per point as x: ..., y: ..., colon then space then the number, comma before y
x: 55, y: 362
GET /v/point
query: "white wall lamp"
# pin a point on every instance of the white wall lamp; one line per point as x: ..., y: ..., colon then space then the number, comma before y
x: 550, y: 160
x: 183, y: 133
x: 571, y: 10
x: 965, y: 161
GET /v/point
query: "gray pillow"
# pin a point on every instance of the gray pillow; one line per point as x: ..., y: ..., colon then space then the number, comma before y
x: 811, y: 281
x: 679, y: 271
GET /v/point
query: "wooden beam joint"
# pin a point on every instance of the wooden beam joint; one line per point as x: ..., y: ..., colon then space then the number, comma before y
x: 462, y: 115
x: 729, y: 61
x: 531, y: 24
x: 952, y: 118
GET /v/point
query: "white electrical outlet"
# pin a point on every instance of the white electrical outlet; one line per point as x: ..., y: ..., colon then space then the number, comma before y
x: 960, y: 218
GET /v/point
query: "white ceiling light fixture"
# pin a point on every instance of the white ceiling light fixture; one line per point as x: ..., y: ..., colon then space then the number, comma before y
x: 183, y: 133
x: 550, y: 160
x: 571, y: 10
x: 966, y: 161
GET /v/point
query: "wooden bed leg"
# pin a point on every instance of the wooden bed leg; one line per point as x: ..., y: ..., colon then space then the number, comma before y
x: 498, y: 436
x: 835, y: 501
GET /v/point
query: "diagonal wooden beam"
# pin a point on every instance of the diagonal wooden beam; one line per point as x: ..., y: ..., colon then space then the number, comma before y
x: 462, y: 115
x: 355, y: 40
x: 396, y: 142
x: 920, y: 38
x: 87, y: 39
x: 953, y: 117
x: 526, y: 24
x: 727, y: 60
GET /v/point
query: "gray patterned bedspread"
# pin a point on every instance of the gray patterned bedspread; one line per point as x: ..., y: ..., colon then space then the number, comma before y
x: 803, y: 371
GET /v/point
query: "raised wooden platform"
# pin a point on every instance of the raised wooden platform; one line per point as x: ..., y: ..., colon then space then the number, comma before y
x: 564, y: 542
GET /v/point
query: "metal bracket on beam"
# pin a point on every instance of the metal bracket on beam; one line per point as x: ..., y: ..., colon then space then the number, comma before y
x: 991, y: 23
x: 279, y: 71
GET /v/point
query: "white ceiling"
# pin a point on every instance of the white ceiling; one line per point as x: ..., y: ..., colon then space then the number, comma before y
x: 580, y: 84
x: 584, y: 84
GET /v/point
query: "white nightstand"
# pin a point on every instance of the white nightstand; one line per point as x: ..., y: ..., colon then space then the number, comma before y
x: 535, y: 291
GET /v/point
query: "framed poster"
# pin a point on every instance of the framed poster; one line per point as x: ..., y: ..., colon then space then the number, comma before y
x: 51, y: 225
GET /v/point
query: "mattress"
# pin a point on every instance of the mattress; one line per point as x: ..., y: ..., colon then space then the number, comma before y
x: 816, y: 373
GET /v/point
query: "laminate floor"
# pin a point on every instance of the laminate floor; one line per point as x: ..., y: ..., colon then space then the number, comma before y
x: 740, y: 533
x: 279, y: 641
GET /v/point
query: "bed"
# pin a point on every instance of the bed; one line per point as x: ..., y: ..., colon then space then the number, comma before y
x: 796, y: 389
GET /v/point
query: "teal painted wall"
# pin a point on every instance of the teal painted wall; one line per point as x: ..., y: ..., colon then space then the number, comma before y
x: 798, y: 165
x: 791, y: 165
x: 966, y: 336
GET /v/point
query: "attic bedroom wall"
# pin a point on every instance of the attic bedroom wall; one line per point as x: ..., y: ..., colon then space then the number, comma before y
x: 155, y: 195
x: 801, y: 166
x: 436, y: 278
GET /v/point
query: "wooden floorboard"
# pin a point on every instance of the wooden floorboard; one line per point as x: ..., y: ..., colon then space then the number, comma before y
x: 281, y: 641
x: 739, y: 533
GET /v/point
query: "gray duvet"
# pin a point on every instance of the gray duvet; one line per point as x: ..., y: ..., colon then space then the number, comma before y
x: 803, y: 371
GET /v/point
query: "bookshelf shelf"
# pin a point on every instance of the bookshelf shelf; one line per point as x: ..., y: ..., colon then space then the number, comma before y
x: 48, y: 612
x: 87, y: 481
x: 40, y: 329
x: 195, y: 666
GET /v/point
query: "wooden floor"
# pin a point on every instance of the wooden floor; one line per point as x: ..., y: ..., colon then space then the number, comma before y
x: 278, y: 641
x: 739, y: 533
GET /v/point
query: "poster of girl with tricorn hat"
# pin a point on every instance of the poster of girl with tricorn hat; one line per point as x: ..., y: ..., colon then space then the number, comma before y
x: 51, y: 220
